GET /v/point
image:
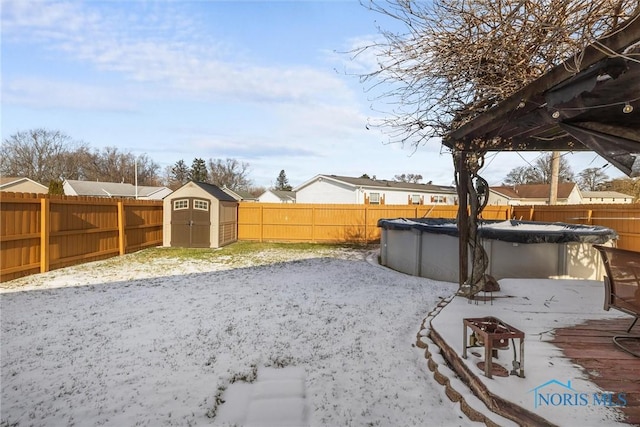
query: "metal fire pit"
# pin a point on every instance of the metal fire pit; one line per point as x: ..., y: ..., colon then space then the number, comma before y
x: 493, y: 333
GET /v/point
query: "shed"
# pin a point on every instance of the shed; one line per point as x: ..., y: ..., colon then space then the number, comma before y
x: 199, y: 215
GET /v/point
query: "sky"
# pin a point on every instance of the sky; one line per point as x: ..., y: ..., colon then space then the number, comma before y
x: 269, y: 83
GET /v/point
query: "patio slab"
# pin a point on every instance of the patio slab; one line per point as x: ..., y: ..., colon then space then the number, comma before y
x: 539, y: 308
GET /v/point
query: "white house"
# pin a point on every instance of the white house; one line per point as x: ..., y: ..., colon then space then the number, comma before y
x: 113, y: 189
x: 534, y: 194
x: 277, y: 196
x: 344, y: 189
x: 602, y: 197
x: 22, y: 185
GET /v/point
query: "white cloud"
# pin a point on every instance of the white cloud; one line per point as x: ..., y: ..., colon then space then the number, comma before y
x: 164, y: 49
x: 43, y: 93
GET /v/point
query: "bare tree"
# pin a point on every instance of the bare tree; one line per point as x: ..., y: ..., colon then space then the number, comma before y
x: 518, y: 176
x: 112, y: 165
x: 539, y: 172
x: 229, y: 172
x: 592, y: 179
x: 458, y: 58
x: 413, y: 178
x: 42, y: 155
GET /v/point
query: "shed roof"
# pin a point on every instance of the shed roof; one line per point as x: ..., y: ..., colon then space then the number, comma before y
x: 215, y: 191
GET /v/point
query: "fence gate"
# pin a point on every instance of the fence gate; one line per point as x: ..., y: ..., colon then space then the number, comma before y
x: 191, y: 223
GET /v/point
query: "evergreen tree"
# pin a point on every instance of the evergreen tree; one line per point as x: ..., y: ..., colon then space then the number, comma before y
x: 198, y: 170
x: 282, y: 183
x: 179, y: 174
x: 55, y: 187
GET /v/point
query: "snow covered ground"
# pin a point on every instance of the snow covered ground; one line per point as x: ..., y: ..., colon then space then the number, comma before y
x: 159, y: 341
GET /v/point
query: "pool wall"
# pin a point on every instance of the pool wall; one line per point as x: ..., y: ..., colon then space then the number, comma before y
x: 435, y: 256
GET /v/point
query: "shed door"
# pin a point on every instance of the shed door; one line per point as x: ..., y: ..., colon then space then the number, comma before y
x: 200, y: 224
x: 190, y: 223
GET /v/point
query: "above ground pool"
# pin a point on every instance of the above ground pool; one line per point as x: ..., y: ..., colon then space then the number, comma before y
x: 516, y: 249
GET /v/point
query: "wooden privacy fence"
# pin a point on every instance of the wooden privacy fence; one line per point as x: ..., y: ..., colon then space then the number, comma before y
x: 623, y: 218
x: 40, y: 232
x: 358, y: 223
x: 288, y: 222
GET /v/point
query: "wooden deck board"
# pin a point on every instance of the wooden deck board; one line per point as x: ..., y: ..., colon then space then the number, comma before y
x: 590, y: 346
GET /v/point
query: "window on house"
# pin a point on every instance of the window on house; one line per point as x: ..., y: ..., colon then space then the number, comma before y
x: 438, y: 199
x: 374, y: 198
x: 180, y: 204
x: 202, y: 205
x: 415, y: 199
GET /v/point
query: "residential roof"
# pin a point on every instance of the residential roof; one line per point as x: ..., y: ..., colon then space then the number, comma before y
x: 382, y: 183
x: 215, y: 191
x: 7, y: 180
x: 285, y: 195
x: 533, y: 191
x: 111, y: 189
x: 606, y: 194
x: 239, y: 194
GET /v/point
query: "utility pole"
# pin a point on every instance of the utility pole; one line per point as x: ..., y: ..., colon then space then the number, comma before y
x: 555, y: 171
x: 135, y: 171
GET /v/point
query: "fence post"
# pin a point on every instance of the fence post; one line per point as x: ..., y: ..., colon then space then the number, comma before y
x: 589, y: 216
x: 121, y: 247
x: 313, y: 224
x: 45, y: 226
x: 261, y: 223
x: 366, y: 228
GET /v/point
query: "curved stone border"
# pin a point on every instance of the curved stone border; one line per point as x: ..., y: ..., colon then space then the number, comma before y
x: 436, y: 363
x: 423, y: 341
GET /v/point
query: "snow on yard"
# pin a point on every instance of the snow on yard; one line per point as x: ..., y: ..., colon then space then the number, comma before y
x: 138, y: 341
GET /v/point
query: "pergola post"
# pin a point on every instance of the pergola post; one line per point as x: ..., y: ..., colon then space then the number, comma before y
x: 462, y: 188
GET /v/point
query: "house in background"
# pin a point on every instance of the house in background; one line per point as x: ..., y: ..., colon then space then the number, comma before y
x: 113, y: 189
x: 22, y: 185
x: 534, y: 194
x: 344, y: 189
x: 277, y: 196
x: 240, y: 195
x: 602, y: 197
